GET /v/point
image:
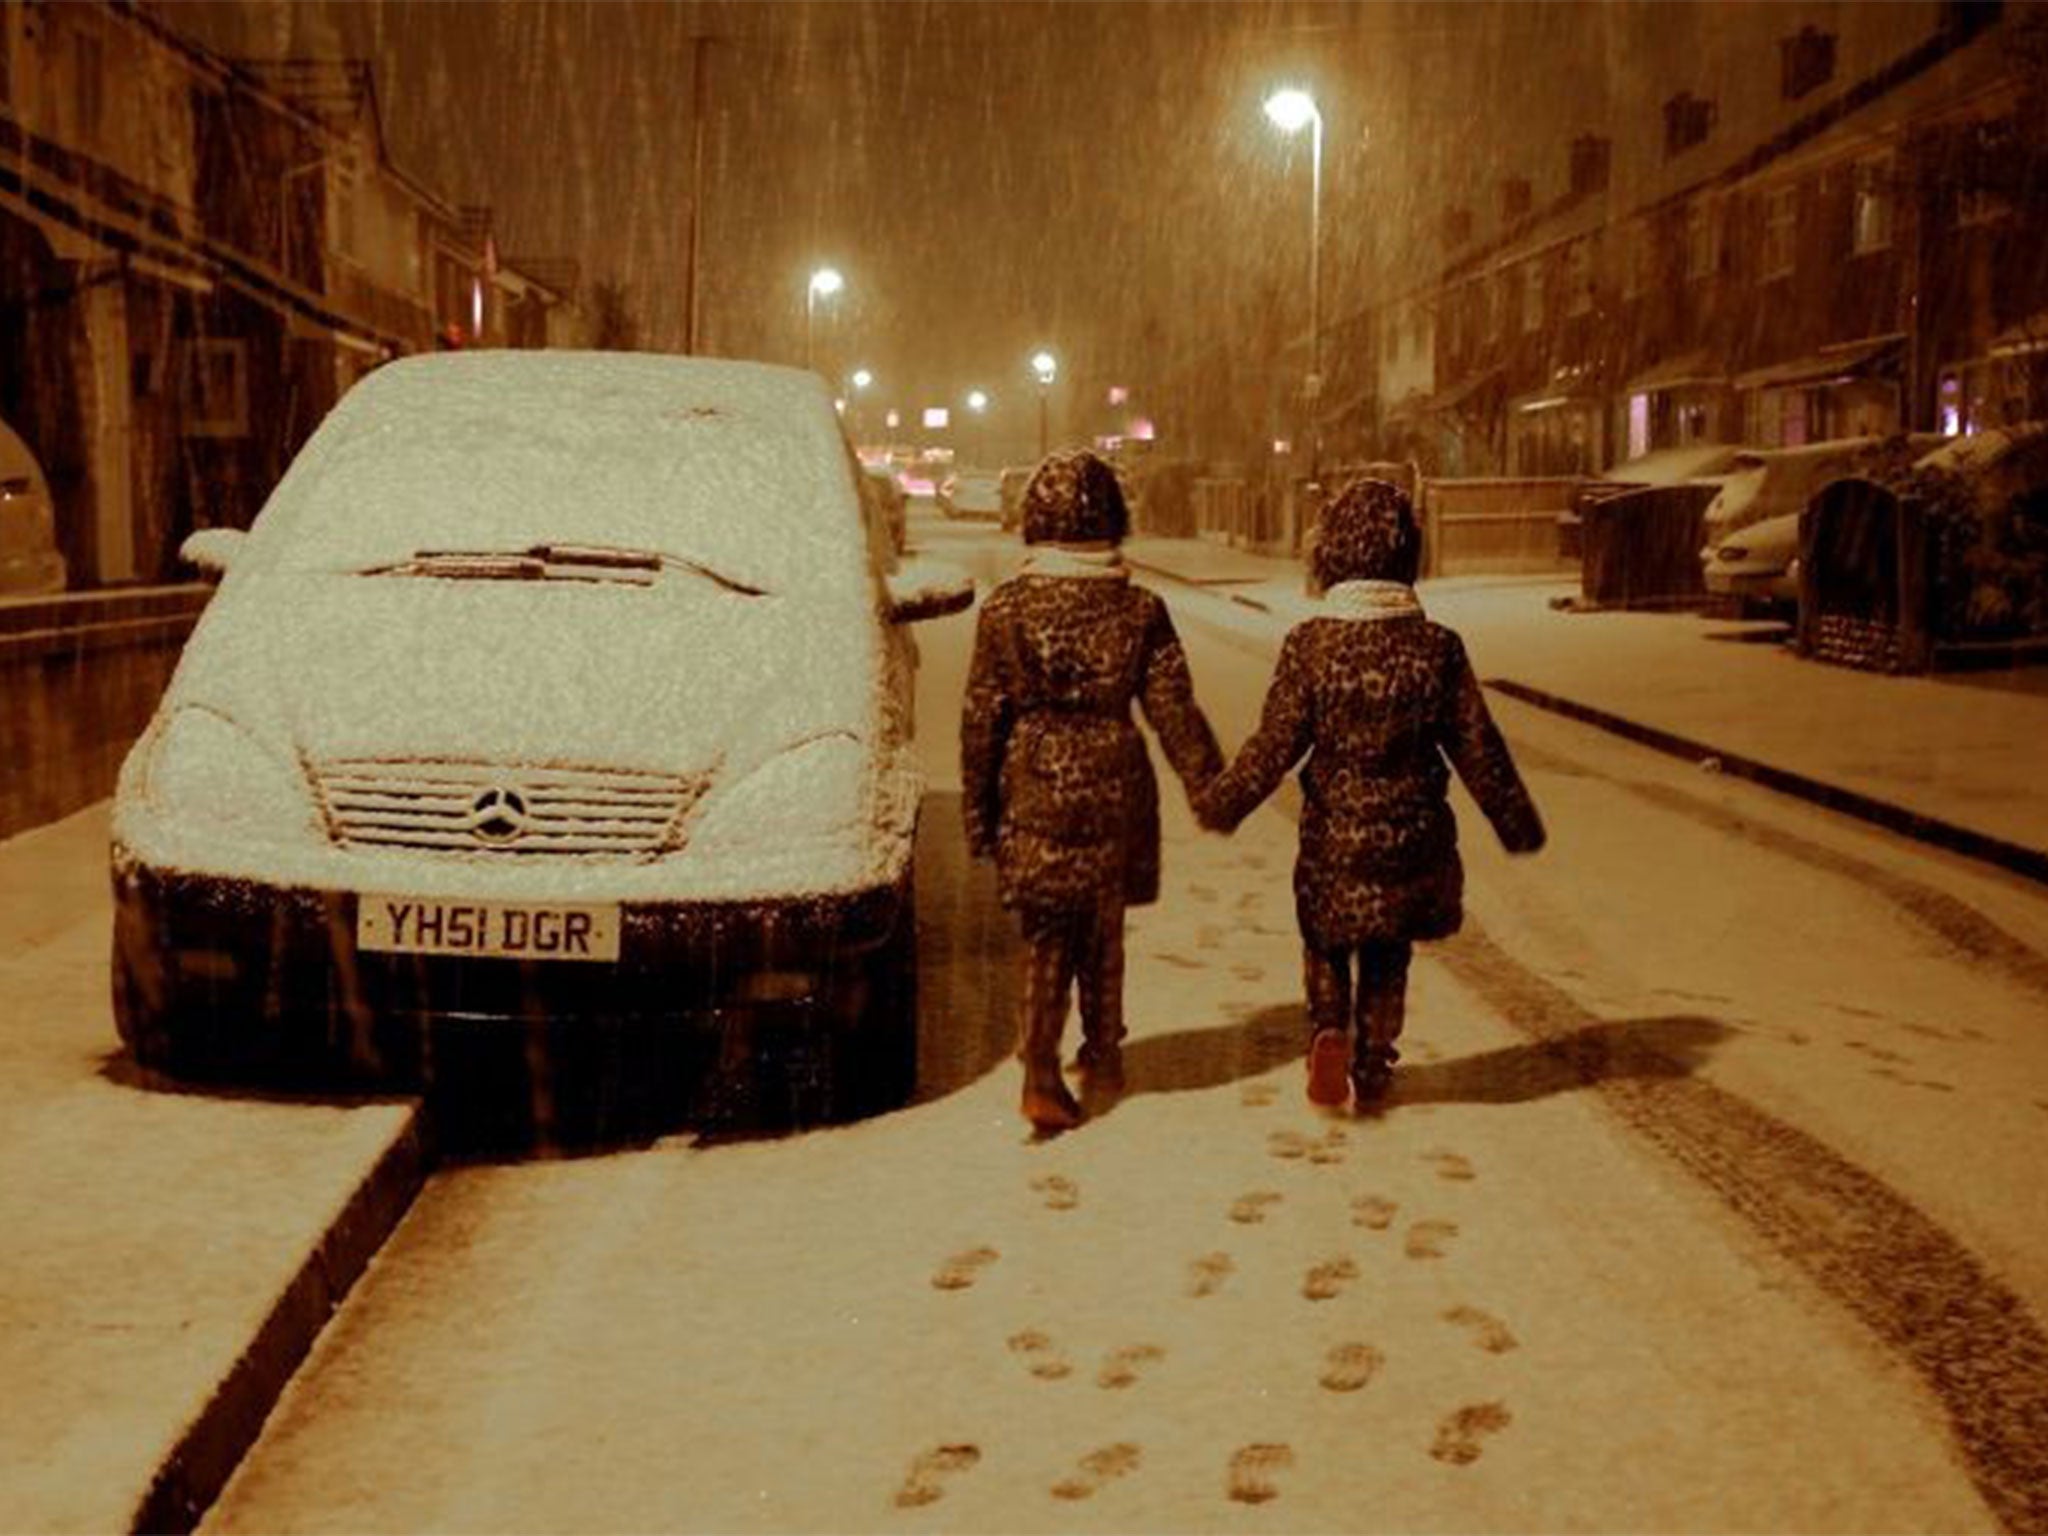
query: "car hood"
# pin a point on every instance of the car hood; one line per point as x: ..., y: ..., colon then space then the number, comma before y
x: 678, y: 676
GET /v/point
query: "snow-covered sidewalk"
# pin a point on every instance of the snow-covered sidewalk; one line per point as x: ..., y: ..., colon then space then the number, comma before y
x: 1953, y: 759
x: 169, y: 1256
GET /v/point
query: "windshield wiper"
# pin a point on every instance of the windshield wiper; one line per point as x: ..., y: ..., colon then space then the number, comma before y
x: 555, y: 562
x: 637, y: 560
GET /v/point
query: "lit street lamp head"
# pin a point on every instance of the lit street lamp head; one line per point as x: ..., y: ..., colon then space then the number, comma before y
x: 1045, y: 365
x: 862, y: 378
x: 826, y: 281
x: 1292, y: 110
x: 977, y: 400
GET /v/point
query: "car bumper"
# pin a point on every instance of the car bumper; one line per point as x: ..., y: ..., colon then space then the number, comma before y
x: 238, y: 980
x: 1754, y: 586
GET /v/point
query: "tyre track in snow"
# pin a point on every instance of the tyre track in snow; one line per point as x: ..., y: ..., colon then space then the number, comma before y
x: 1971, y: 1341
x: 1954, y: 922
x: 1926, y: 1298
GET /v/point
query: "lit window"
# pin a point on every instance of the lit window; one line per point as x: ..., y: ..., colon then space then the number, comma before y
x: 1781, y: 232
x: 1579, y: 278
x: 1871, y: 229
x: 1702, y: 243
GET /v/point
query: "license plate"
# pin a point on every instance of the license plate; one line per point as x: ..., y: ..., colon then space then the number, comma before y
x: 506, y: 930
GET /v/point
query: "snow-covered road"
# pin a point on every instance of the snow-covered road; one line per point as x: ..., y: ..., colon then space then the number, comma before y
x: 1708, y: 1201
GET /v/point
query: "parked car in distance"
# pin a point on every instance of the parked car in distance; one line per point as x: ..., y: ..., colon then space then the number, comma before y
x: 1010, y: 494
x: 30, y: 563
x: 972, y: 493
x: 1757, y: 564
x: 1770, y: 482
x: 555, y: 708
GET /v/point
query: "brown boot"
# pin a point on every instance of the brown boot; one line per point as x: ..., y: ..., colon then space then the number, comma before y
x: 1327, y: 1054
x: 1047, y: 1104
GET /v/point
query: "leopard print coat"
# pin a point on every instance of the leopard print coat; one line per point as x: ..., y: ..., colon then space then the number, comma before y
x: 1056, y: 779
x: 1377, y: 706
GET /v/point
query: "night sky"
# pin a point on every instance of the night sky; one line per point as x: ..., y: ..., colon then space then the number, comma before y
x: 1097, y: 178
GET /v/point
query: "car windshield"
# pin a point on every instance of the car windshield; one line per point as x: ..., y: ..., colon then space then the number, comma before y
x: 487, y: 464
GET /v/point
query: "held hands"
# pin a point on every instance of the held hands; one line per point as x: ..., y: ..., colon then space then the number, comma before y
x: 1208, y: 811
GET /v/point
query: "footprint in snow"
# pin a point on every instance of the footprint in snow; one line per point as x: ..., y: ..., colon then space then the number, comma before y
x: 963, y: 1269
x: 1183, y: 961
x: 1488, y: 1331
x: 1426, y: 1239
x: 1252, y: 1468
x: 1350, y: 1366
x: 1209, y: 938
x: 1207, y: 1274
x: 1202, y: 892
x: 1040, y: 1355
x: 1451, y: 1166
x: 1120, y: 1366
x: 1374, y: 1211
x: 1061, y: 1193
x: 1328, y: 1279
x: 1098, y: 1469
x: 1258, y: 1095
x: 1250, y: 1209
x: 926, y: 1481
x: 1458, y: 1436
x: 1244, y: 970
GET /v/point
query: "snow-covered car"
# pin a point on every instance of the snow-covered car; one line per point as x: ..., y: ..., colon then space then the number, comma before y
x: 1757, y: 564
x: 557, y: 706
x: 30, y: 562
x: 971, y: 493
x: 1771, y: 482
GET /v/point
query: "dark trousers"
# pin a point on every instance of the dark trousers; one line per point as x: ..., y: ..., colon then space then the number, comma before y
x: 1072, y: 952
x: 1374, y: 1005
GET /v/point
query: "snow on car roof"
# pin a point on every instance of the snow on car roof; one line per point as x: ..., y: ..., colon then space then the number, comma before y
x: 723, y: 462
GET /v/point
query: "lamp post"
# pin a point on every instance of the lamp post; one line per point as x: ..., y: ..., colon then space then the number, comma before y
x: 1046, y: 367
x: 1291, y: 110
x: 824, y: 282
x: 977, y: 402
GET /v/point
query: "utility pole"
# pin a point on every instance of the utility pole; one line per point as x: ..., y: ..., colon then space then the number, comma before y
x: 700, y: 47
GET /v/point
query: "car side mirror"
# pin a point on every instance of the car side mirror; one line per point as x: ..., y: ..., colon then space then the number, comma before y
x: 212, y: 550
x: 920, y: 589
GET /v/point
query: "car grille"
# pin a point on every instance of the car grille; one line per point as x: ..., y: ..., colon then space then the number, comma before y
x: 482, y: 807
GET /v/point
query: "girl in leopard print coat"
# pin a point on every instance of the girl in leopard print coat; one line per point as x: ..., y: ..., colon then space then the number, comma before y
x: 1377, y: 697
x: 1057, y: 782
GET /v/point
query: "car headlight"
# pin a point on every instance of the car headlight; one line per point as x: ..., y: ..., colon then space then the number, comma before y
x: 813, y: 790
x: 208, y: 773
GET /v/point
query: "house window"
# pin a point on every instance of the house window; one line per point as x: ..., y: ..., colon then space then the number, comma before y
x: 88, y: 59
x: 1991, y: 169
x: 1638, y: 425
x: 1702, y: 243
x: 216, y: 388
x: 1578, y: 269
x: 1871, y: 216
x: 1781, y: 232
x: 1805, y: 62
x: 1532, y: 297
x: 1687, y: 121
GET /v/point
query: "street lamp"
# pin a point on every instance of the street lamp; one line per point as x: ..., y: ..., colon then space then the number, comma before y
x: 1291, y: 110
x: 824, y: 282
x: 1046, y: 367
x: 977, y: 402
